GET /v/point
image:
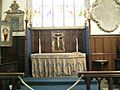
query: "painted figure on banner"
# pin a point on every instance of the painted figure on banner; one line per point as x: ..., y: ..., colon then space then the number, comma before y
x: 5, y: 33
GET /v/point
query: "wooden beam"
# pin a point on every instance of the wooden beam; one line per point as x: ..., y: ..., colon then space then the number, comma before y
x: 92, y: 74
x: 7, y: 75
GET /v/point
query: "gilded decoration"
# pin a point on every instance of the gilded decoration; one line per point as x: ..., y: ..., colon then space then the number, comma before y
x: 106, y: 13
x: 15, y: 17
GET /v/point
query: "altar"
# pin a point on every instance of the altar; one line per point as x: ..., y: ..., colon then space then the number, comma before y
x: 57, y: 64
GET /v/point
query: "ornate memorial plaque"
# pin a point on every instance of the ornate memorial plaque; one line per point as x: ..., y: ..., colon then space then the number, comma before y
x: 106, y: 13
x: 15, y: 17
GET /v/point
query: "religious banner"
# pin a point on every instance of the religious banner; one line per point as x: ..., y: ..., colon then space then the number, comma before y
x: 5, y: 34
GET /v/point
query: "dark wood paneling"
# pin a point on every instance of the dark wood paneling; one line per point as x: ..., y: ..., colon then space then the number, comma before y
x: 104, y: 56
x: 99, y: 45
x: 15, y: 53
x: 107, y: 46
x: 103, y: 47
x: 34, y: 41
x: 46, y: 40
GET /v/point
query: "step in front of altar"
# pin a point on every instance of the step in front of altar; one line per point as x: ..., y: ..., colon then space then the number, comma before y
x: 57, y: 83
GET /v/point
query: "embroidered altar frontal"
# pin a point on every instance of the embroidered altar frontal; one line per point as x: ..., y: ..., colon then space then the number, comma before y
x: 57, y: 64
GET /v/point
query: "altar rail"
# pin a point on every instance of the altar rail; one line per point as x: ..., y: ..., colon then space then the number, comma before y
x: 99, y: 75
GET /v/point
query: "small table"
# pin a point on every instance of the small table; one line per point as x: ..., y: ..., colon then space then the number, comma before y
x: 102, y: 62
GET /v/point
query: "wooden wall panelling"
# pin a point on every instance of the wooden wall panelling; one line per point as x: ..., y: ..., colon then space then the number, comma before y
x: 99, y: 45
x: 50, y: 43
x: 92, y: 45
x: 118, y: 42
x: 15, y: 53
x: 113, y: 42
x: 104, y: 47
x: 108, y: 56
x: 20, y: 52
x: 72, y: 41
x: 112, y: 50
x: 82, y: 39
x: 107, y: 45
x: 46, y: 43
x: 67, y: 39
x: 118, y: 48
x: 42, y: 40
x: 7, y: 55
x: 34, y: 41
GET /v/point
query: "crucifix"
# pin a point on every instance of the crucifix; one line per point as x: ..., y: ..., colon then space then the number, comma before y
x: 58, y: 42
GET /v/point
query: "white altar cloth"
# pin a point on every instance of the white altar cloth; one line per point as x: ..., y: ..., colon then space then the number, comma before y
x: 57, y: 64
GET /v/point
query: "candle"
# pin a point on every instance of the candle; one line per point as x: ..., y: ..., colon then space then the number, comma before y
x: 76, y: 44
x: 39, y: 46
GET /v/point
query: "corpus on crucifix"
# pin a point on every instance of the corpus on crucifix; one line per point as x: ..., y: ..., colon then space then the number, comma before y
x: 58, y: 42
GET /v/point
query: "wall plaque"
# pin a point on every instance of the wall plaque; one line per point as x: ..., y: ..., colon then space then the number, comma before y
x: 106, y: 13
x: 15, y: 17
